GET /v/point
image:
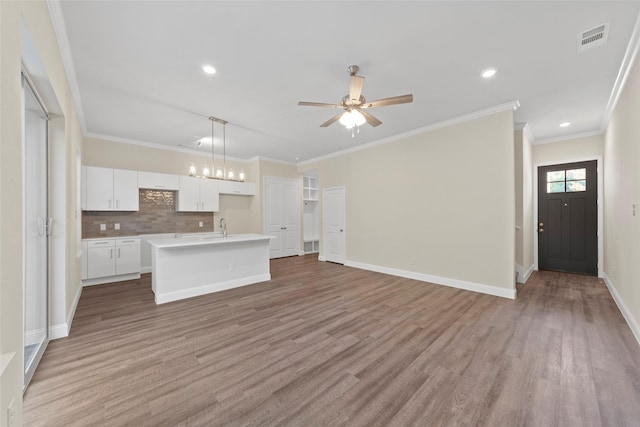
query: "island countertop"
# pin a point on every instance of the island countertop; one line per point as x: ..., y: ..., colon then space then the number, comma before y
x: 188, y: 241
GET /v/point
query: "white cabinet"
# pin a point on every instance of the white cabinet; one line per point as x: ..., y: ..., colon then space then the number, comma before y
x: 310, y: 190
x: 112, y: 259
x: 237, y: 188
x: 158, y: 181
x: 282, y: 216
x: 198, y: 195
x: 101, y: 260
x: 108, y: 189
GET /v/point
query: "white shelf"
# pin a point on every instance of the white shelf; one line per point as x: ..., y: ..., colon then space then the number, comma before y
x: 310, y: 190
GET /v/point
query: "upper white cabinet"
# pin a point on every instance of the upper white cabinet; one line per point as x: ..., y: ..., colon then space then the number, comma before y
x: 158, y: 181
x: 198, y: 195
x: 108, y: 189
x: 310, y: 190
x: 237, y: 188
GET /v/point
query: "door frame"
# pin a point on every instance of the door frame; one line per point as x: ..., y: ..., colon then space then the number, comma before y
x: 599, y: 166
x: 298, y: 183
x: 322, y: 256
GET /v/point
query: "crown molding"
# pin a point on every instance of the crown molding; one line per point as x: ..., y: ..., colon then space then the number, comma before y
x: 623, y: 74
x: 569, y: 137
x: 269, y: 159
x: 513, y: 105
x: 60, y: 30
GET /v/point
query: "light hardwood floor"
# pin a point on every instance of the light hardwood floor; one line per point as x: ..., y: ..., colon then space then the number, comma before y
x: 327, y: 345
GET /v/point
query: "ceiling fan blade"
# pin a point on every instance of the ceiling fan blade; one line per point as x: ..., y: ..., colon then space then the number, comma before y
x: 318, y: 104
x: 370, y: 119
x: 402, y: 99
x: 355, y: 87
x: 332, y: 120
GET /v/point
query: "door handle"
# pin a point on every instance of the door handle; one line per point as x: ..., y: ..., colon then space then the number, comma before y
x: 341, y: 230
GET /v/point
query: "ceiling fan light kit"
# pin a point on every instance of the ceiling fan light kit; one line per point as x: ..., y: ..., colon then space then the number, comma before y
x: 353, y: 104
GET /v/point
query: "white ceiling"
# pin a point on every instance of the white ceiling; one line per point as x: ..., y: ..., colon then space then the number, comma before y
x: 137, y: 67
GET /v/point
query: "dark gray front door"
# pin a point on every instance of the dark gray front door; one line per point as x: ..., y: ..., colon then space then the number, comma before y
x: 568, y: 218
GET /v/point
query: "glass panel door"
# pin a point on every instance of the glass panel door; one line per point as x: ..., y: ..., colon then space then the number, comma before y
x: 36, y: 229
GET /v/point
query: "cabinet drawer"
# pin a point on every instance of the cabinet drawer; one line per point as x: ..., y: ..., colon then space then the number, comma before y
x: 106, y: 243
x: 128, y: 242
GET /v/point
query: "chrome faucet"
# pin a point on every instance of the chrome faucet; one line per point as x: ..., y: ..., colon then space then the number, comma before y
x: 223, y: 227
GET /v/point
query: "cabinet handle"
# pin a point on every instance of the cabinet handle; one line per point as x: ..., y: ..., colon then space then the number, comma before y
x: 127, y: 241
x: 117, y: 204
x: 236, y: 191
x: 109, y: 203
x: 100, y: 243
x: 111, y: 253
x: 118, y: 252
x: 159, y: 186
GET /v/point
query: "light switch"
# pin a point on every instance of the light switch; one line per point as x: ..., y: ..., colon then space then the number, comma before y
x: 116, y: 226
x: 103, y: 227
x: 200, y: 224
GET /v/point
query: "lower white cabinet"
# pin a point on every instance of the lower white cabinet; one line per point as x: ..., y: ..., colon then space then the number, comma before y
x: 112, y: 260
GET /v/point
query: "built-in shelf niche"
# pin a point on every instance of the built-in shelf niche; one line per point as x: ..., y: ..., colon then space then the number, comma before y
x: 311, y: 213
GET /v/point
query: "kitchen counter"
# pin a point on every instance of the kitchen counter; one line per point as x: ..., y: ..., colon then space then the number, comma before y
x: 190, y: 266
x: 212, y: 239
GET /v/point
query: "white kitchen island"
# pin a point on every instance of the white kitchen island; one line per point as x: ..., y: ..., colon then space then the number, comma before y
x: 186, y: 267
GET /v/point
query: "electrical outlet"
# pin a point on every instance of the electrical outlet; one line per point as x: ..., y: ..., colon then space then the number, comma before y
x: 634, y: 209
x: 103, y: 227
x: 116, y: 226
x: 11, y: 415
x: 200, y: 224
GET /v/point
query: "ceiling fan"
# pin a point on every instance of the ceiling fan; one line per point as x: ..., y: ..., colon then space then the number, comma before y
x: 354, y: 104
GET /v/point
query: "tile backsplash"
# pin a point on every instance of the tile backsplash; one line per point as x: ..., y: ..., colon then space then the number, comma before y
x: 157, y: 214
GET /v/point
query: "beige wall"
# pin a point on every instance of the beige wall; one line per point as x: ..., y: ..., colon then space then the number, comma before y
x: 36, y: 18
x: 571, y: 150
x: 440, y: 203
x: 621, y: 192
x: 527, y: 205
x: 524, y: 205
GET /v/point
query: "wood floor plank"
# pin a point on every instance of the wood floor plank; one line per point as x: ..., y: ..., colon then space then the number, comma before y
x: 324, y: 344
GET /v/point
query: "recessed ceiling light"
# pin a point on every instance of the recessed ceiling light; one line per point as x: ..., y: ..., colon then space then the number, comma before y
x: 565, y: 124
x: 489, y: 72
x: 208, y: 69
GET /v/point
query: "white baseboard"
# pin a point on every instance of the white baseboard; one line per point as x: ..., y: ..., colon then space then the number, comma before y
x: 144, y: 270
x: 446, y: 281
x: 110, y: 279
x: 62, y: 330
x: 523, y: 275
x: 321, y: 258
x: 33, y: 337
x: 626, y: 313
x: 207, y: 289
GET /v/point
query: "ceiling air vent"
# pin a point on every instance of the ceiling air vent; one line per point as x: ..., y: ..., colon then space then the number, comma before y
x: 594, y: 37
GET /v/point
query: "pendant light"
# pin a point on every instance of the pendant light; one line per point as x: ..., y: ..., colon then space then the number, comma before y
x: 220, y: 173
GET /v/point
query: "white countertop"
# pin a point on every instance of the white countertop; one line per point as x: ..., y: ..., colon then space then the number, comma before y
x: 206, y: 240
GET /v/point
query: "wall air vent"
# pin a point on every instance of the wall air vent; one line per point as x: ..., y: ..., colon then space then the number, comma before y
x: 596, y: 36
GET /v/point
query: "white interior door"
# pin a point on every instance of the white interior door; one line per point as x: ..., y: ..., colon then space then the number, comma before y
x: 37, y: 226
x: 273, y: 216
x: 290, y: 217
x: 333, y: 219
x: 282, y: 216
